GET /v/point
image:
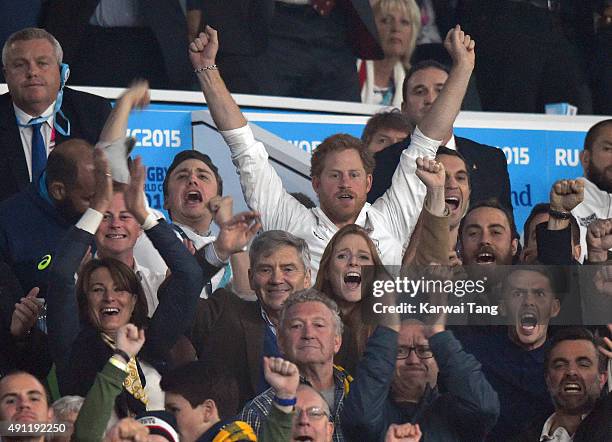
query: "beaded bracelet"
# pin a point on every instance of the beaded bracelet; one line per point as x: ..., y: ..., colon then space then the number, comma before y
x: 212, y: 67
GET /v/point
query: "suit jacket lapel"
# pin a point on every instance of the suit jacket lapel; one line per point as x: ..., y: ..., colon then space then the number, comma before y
x: 9, y: 134
x: 467, y: 153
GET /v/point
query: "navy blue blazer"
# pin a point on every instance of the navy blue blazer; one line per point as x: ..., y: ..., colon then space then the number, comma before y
x: 487, y: 167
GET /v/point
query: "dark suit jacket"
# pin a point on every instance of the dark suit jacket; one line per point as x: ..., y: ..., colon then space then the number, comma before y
x: 487, y: 167
x: 596, y: 427
x: 229, y: 333
x: 67, y: 20
x: 87, y: 114
x: 244, y: 25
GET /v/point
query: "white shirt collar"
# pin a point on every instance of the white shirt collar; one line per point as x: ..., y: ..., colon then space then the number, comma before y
x: 559, y: 435
x: 191, y: 230
x: 452, y: 144
x: 24, y: 118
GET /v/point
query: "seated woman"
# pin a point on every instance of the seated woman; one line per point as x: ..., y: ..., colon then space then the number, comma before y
x: 82, y: 328
x: 342, y: 278
x: 398, y: 23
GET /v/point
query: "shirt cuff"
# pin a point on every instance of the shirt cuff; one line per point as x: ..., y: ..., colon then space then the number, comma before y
x: 149, y: 222
x: 117, y: 362
x: 90, y: 221
x: 210, y: 254
x: 241, y: 137
x: 421, y: 138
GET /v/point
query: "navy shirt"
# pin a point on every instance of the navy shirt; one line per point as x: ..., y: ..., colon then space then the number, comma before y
x: 517, y: 375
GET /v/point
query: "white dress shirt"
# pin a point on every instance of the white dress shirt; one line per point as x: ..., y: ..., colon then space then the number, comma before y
x: 26, y: 132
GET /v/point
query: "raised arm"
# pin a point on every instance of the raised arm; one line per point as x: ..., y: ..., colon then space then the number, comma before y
x: 179, y: 293
x: 108, y: 384
x: 365, y: 408
x: 438, y: 122
x: 62, y: 309
x: 137, y: 96
x: 471, y: 403
x: 555, y: 241
x: 262, y: 187
x: 223, y: 108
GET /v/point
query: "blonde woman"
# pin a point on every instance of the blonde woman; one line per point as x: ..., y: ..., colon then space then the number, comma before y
x: 398, y: 23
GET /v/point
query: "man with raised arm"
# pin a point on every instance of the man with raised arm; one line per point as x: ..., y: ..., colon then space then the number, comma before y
x: 341, y: 167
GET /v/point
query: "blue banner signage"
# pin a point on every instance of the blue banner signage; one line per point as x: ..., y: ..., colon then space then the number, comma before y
x: 540, y: 149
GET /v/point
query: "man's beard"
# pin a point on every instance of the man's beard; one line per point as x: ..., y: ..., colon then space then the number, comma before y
x: 67, y: 210
x: 598, y: 177
x: 586, y: 406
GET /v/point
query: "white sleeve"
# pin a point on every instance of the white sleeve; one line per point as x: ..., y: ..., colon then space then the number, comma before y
x: 90, y: 221
x: 401, y: 204
x: 262, y: 187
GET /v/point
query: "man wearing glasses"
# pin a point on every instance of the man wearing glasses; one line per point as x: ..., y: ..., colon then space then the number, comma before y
x: 397, y: 382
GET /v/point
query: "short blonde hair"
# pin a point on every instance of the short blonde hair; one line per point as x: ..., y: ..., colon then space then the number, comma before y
x: 27, y: 34
x: 411, y: 10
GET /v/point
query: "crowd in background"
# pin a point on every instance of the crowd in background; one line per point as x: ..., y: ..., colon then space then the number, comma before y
x: 532, y: 52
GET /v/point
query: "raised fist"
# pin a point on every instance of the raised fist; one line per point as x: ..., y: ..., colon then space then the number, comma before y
x: 460, y: 46
x: 430, y: 172
x: 599, y: 240
x: 566, y: 194
x: 137, y: 95
x: 283, y: 376
x: 403, y: 433
x: 130, y: 339
x: 127, y: 430
x: 203, y: 49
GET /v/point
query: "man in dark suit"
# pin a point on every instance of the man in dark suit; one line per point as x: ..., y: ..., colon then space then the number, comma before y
x: 487, y: 165
x: 575, y: 372
x: 234, y: 334
x: 290, y: 48
x: 112, y: 43
x: 32, y: 60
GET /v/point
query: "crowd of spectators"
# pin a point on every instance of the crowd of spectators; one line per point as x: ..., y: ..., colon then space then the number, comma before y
x: 291, y: 323
x: 531, y: 52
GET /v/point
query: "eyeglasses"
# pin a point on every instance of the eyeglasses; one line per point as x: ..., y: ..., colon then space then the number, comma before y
x: 314, y: 413
x: 422, y: 352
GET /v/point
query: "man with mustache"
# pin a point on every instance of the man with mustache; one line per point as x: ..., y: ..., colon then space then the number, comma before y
x: 341, y: 167
x: 512, y: 356
x: 575, y: 375
x: 596, y: 159
x: 488, y: 235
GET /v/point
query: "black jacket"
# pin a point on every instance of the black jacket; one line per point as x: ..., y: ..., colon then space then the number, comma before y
x: 487, y: 168
x: 87, y: 114
x: 77, y: 349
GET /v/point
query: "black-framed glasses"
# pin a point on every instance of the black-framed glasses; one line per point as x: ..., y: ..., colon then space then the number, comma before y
x: 314, y: 413
x: 422, y: 351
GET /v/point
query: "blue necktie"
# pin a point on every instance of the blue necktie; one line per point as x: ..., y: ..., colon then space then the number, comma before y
x: 39, y: 152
